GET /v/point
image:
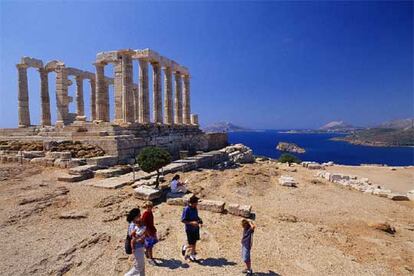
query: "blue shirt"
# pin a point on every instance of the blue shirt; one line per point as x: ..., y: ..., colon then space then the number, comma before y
x: 190, y: 214
x: 247, y: 239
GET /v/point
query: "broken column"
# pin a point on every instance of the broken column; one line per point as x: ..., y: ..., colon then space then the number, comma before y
x: 178, y: 103
x: 186, y: 101
x: 156, y: 93
x: 23, y: 96
x: 44, y: 98
x: 168, y: 110
x: 143, y: 92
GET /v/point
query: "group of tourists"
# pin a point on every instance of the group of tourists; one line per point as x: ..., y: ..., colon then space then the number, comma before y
x: 142, y: 234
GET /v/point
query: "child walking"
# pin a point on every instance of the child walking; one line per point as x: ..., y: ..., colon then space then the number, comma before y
x: 192, y: 228
x: 247, y: 242
x: 151, y: 234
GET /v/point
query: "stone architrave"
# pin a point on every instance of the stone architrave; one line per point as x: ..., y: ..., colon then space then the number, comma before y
x: 143, y: 92
x: 127, y: 89
x: 100, y: 92
x: 93, y: 99
x: 178, y: 103
x: 80, y: 108
x: 156, y: 93
x: 44, y: 98
x: 62, y: 98
x: 168, y: 108
x: 23, y: 96
x: 118, y: 92
x: 186, y: 101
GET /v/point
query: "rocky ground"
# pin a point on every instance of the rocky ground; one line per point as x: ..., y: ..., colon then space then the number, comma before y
x: 317, y: 228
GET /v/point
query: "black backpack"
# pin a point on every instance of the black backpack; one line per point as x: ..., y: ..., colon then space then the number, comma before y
x: 128, y: 248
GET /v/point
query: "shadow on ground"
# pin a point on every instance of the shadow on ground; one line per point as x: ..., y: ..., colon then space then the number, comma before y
x: 269, y: 273
x: 171, y: 263
x: 216, y: 262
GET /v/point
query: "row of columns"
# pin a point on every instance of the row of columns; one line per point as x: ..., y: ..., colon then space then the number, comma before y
x: 132, y: 104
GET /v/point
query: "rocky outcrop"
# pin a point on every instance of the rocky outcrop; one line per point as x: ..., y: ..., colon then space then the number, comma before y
x: 289, y: 147
x: 239, y: 153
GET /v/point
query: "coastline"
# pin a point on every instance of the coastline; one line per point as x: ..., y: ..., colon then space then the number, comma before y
x: 369, y: 144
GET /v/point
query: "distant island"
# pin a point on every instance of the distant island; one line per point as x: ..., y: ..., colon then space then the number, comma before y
x: 225, y: 127
x: 388, y: 134
x: 289, y: 147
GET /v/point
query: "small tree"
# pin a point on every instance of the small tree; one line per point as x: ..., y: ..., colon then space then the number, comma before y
x: 288, y: 158
x: 153, y: 159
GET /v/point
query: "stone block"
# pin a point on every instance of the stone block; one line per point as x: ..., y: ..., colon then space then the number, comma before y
x: 33, y: 154
x: 74, y: 178
x: 147, y: 193
x: 211, y: 205
x: 39, y: 161
x: 59, y: 154
x: 334, y: 177
x: 287, y: 181
x: 111, y: 172
x: 84, y: 169
x: 315, y: 166
x: 105, y: 161
x: 240, y: 210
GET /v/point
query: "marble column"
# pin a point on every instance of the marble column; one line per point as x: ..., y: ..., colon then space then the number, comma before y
x: 178, y: 104
x: 93, y: 99
x: 118, y: 92
x: 168, y: 108
x: 80, y: 106
x: 186, y: 100
x: 107, y: 116
x: 62, y: 98
x: 144, y: 116
x: 136, y: 103
x: 23, y: 96
x: 127, y: 89
x: 194, y: 119
x: 44, y: 97
x: 100, y: 92
x: 156, y: 94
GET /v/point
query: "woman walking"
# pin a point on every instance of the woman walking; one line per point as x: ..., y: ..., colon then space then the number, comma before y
x: 136, y: 235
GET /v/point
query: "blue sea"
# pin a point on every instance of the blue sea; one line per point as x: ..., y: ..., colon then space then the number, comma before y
x: 320, y: 148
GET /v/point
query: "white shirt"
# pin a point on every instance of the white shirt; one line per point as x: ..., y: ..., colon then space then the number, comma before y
x: 174, y: 185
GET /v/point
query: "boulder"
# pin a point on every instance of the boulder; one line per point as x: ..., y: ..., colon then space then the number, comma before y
x: 211, y: 205
x: 410, y: 195
x: 147, y: 193
x: 240, y: 210
x: 73, y: 215
x: 397, y: 197
x: 287, y: 181
x: 239, y: 153
x: 385, y: 226
x: 334, y: 177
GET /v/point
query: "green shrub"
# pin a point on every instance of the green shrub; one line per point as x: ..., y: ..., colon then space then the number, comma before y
x: 153, y: 159
x: 289, y: 158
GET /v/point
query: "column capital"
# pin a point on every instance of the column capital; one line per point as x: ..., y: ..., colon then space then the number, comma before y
x: 21, y: 66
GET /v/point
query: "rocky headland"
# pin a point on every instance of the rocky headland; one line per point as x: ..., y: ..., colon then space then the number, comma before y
x: 289, y: 147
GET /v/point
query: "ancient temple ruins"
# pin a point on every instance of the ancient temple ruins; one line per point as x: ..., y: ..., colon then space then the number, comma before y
x: 131, y: 104
x: 171, y: 125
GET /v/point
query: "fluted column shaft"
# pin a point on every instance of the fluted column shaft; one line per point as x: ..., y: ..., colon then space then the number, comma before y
x: 93, y: 99
x: 62, y: 99
x: 118, y: 92
x: 44, y: 98
x: 23, y: 96
x: 178, y: 104
x: 100, y: 92
x: 186, y: 101
x: 127, y: 89
x: 168, y: 108
x: 80, y: 106
x: 136, y: 103
x: 143, y: 92
x: 156, y: 93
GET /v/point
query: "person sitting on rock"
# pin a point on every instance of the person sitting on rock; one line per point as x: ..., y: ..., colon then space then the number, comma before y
x: 177, y: 186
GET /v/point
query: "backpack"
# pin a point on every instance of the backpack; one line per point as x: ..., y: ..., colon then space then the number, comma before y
x: 128, y: 248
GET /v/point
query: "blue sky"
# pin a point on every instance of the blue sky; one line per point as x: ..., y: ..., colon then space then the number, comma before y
x: 258, y: 64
